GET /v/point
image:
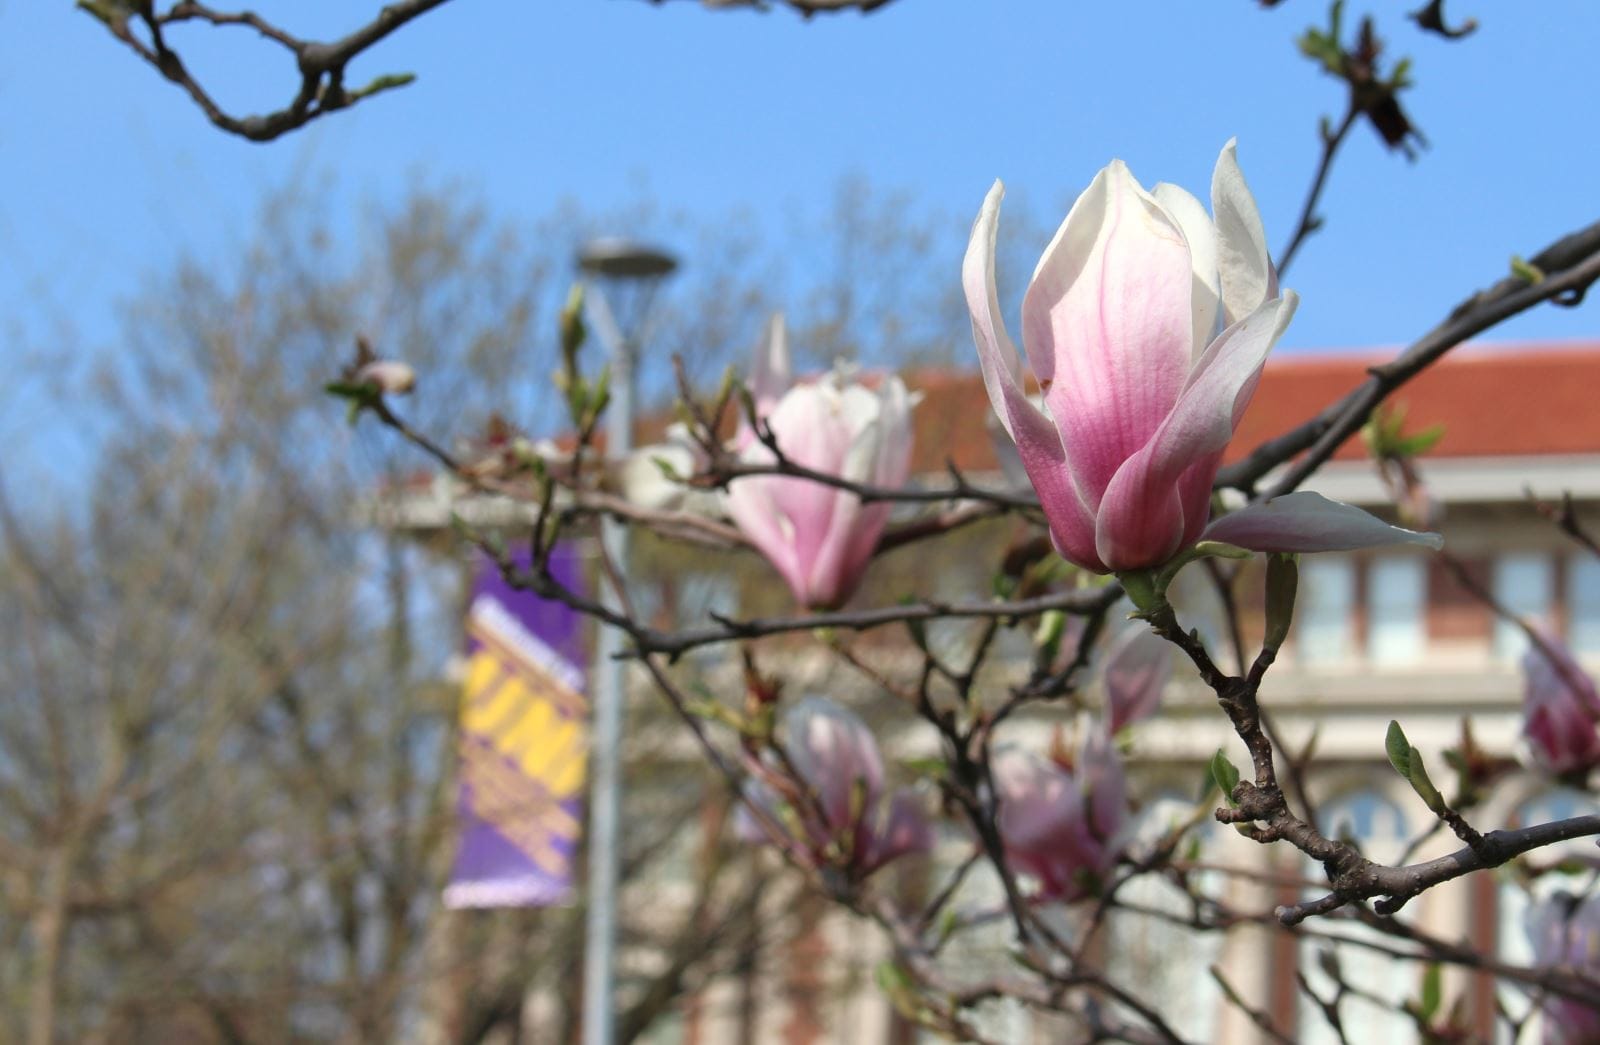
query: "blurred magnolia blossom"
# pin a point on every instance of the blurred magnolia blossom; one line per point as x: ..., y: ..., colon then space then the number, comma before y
x: 652, y: 476
x: 1137, y: 668
x: 834, y: 811
x: 1565, y: 931
x: 1560, y: 708
x: 391, y: 376
x: 1063, y: 825
x: 1141, y: 393
x: 819, y: 537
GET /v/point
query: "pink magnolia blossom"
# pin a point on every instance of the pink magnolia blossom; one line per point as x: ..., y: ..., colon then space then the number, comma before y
x: 1141, y: 393
x: 820, y: 537
x: 1064, y: 828
x: 1137, y: 668
x: 839, y: 812
x: 1560, y: 707
x: 1566, y: 934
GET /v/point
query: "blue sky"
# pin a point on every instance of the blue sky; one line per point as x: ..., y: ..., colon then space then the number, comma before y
x: 109, y: 173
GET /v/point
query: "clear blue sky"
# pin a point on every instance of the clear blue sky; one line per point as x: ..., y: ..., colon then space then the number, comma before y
x: 109, y: 173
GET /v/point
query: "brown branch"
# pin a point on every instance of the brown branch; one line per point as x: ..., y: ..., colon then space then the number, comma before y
x: 1566, y: 520
x: 321, y: 66
x: 1570, y: 266
x: 1397, y: 885
x: 1310, y: 221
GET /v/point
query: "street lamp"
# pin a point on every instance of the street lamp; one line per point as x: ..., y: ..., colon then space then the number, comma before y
x: 632, y: 271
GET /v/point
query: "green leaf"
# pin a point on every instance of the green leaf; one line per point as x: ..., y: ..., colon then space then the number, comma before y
x: 1407, y: 761
x: 1399, y: 749
x: 1226, y: 774
x: 1419, y: 443
x: 931, y: 766
x: 1047, y: 637
x: 1283, y: 581
x: 1525, y: 271
x: 1141, y: 588
x: 1421, y: 784
x: 715, y: 712
x: 573, y: 331
x: 386, y: 82
x: 1432, y: 991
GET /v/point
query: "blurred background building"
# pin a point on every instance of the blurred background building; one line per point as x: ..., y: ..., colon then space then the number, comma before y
x: 1376, y: 636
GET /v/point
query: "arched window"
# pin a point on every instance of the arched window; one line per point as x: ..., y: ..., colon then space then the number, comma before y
x: 1382, y: 830
x: 1159, y: 960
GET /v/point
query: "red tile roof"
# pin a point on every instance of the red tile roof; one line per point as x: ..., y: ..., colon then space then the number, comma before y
x: 1494, y: 400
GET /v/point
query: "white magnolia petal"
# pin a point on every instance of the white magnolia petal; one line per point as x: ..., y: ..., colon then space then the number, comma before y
x: 1198, y: 229
x: 1244, y: 265
x: 997, y: 353
x: 770, y: 373
x: 641, y: 481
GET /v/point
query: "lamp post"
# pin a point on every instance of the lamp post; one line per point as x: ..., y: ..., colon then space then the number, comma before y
x: 633, y: 271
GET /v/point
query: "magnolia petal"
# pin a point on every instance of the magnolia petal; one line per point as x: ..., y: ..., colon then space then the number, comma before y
x: 1108, y: 327
x: 770, y: 374
x: 747, y: 825
x: 903, y: 829
x: 1104, y: 784
x: 1201, y: 236
x: 811, y: 429
x: 754, y: 509
x: 997, y: 354
x: 833, y: 750
x: 893, y: 465
x: 1150, y: 507
x: 1244, y: 265
x: 1036, y: 799
x: 1552, y: 674
x: 640, y: 478
x: 1037, y: 441
x: 1136, y: 672
x: 1306, y: 521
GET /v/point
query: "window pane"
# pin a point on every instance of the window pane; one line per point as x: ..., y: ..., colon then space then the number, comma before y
x: 1522, y: 583
x: 1327, y: 595
x: 1583, y: 604
x: 1395, y: 610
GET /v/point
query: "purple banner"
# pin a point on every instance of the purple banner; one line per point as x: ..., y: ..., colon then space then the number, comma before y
x: 524, y: 745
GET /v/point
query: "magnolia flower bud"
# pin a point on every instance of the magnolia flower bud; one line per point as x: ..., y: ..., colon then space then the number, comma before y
x: 391, y: 376
x: 1141, y: 393
x: 1063, y: 827
x: 820, y: 537
x: 840, y: 813
x: 1137, y: 670
x: 1560, y: 707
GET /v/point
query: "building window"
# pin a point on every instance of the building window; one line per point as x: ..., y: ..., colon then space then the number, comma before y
x: 1396, y: 610
x: 1522, y: 584
x: 1156, y: 955
x: 1376, y: 1015
x: 1583, y: 605
x: 1324, y: 632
